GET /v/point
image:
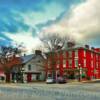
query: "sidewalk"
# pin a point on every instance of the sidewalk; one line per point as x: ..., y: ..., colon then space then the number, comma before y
x: 92, y: 81
x: 41, y: 83
x: 83, y: 81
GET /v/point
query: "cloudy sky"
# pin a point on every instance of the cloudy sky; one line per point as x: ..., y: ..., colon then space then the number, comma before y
x: 22, y: 21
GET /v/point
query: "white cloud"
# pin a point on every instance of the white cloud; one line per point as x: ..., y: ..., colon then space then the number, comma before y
x: 82, y: 23
x: 85, y: 19
x: 28, y: 40
x: 31, y: 18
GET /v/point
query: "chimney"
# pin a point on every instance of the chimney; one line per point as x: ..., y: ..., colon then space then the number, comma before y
x: 92, y: 48
x: 70, y: 44
x: 38, y: 52
x: 24, y: 54
x: 87, y: 46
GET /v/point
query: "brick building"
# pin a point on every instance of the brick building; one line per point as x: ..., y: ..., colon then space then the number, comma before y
x: 81, y: 61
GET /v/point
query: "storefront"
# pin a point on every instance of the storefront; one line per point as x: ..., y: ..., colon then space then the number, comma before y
x: 75, y: 74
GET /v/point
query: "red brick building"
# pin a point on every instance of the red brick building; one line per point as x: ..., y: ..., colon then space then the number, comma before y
x: 82, y: 61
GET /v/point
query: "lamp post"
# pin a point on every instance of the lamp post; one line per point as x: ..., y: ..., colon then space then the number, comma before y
x: 22, y: 73
x: 80, y: 69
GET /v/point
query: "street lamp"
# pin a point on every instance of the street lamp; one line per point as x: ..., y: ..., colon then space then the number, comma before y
x: 22, y: 73
x: 80, y: 70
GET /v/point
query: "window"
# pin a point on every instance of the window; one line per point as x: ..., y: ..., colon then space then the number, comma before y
x: 64, y: 54
x: 92, y: 55
x: 92, y: 64
x: 29, y: 67
x: 84, y: 62
x: 49, y: 64
x: 70, y: 54
x: 96, y: 56
x: 58, y: 62
x: 64, y: 63
x: 70, y: 63
x: 57, y: 65
x: 84, y: 53
x: 96, y: 64
x: 76, y: 54
x: 58, y: 55
x: 76, y: 62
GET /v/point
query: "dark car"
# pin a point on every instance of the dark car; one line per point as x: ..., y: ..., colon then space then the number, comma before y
x: 61, y: 80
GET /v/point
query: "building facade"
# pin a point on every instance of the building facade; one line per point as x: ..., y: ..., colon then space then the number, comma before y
x: 73, y: 63
x: 27, y: 68
x: 30, y: 69
x: 33, y: 68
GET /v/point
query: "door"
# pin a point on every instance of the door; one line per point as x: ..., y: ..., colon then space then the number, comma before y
x: 29, y: 77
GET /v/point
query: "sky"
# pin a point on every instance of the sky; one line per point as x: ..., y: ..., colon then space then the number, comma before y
x: 23, y: 21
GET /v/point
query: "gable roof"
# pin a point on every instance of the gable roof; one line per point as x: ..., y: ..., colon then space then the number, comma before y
x: 27, y: 58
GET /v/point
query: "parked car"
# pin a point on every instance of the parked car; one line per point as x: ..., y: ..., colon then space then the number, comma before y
x: 61, y: 80
x: 50, y: 80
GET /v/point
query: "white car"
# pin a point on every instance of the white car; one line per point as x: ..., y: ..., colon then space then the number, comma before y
x: 50, y: 80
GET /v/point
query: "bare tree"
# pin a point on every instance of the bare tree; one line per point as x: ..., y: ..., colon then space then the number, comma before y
x: 53, y: 42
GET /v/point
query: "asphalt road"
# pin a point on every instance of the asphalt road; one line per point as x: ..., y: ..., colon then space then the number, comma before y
x: 84, y: 91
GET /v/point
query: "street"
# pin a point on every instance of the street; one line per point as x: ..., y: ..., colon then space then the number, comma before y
x: 42, y: 91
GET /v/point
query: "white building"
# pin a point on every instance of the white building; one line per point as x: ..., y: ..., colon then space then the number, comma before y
x: 31, y: 69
